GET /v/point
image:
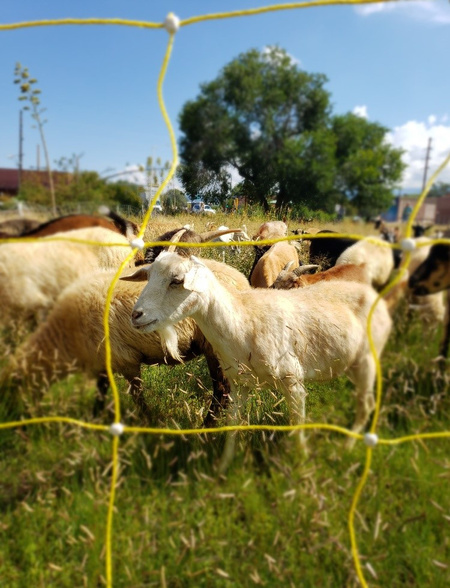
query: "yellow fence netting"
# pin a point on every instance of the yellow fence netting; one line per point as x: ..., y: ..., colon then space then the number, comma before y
x: 172, y: 24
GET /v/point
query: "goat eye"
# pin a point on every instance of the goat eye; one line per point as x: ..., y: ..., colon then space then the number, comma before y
x: 176, y: 282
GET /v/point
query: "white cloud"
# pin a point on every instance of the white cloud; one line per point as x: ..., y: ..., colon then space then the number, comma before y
x: 436, y: 12
x: 360, y: 111
x: 413, y: 137
x: 131, y: 173
x: 367, y: 10
x: 273, y: 52
x: 136, y: 175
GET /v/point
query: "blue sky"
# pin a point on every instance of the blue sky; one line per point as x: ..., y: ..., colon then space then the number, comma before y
x: 386, y: 61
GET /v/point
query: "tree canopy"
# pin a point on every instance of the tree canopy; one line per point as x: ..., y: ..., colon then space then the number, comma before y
x: 269, y: 123
x: 173, y: 201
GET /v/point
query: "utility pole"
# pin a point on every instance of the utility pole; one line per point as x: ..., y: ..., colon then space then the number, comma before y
x: 427, y: 161
x: 20, y: 147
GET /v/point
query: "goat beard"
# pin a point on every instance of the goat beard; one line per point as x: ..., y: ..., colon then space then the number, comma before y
x: 169, y: 342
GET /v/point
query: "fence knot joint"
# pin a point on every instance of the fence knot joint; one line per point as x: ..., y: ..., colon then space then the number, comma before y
x: 408, y: 244
x: 172, y: 23
x: 138, y: 243
x: 371, y: 439
x: 116, y: 429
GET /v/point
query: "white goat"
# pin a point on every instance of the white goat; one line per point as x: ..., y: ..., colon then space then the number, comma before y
x: 237, y: 235
x: 285, y: 337
x: 271, y: 230
x: 32, y: 275
x: 379, y: 264
x: 375, y: 255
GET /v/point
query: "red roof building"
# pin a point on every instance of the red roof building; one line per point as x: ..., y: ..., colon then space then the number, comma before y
x: 9, y: 179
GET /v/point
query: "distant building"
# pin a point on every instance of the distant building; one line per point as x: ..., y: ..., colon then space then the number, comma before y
x: 434, y: 210
x: 10, y: 183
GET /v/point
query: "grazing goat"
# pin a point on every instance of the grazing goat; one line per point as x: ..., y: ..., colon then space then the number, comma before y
x: 377, y: 258
x: 298, y: 278
x: 239, y: 235
x: 431, y: 306
x: 268, y: 230
x: 326, y: 250
x: 281, y: 337
x: 433, y: 276
x: 72, y: 338
x: 72, y: 222
x: 420, y: 230
x: 272, y: 262
x: 182, y: 235
x: 386, y: 233
x: 33, y: 275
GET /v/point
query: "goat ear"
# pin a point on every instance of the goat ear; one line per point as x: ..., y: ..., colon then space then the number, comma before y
x: 195, y: 279
x: 140, y: 275
x: 197, y: 260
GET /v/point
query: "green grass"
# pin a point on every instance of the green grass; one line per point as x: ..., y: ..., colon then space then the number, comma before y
x: 278, y: 518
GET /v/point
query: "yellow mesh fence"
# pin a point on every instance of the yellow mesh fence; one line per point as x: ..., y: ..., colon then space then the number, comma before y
x: 117, y: 429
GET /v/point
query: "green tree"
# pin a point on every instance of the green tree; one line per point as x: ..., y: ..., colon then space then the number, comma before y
x: 30, y: 93
x: 368, y: 168
x: 173, y: 200
x: 124, y: 193
x: 247, y: 120
x: 271, y: 122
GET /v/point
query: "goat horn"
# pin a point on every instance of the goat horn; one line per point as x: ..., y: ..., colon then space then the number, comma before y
x: 288, y: 266
x: 175, y: 239
x: 304, y: 269
x: 210, y: 235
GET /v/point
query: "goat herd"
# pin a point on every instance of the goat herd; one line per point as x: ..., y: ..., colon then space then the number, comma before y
x: 282, y: 327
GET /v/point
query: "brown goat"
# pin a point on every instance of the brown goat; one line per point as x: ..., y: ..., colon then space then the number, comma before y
x: 347, y: 272
x: 71, y: 222
x: 81, y: 221
x: 297, y: 279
